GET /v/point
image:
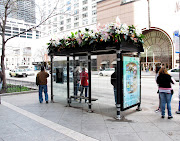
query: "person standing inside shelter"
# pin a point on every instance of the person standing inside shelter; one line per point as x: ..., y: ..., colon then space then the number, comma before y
x: 84, y: 82
x: 164, y: 80
x: 76, y: 81
x: 42, y: 82
x: 114, y: 83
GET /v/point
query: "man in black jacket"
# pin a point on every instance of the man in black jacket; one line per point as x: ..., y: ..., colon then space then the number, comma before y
x: 114, y: 83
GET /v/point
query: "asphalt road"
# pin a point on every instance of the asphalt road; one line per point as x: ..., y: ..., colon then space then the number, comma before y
x: 102, y: 88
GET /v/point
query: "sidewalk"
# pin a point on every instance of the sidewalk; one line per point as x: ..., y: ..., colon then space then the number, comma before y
x: 23, y: 118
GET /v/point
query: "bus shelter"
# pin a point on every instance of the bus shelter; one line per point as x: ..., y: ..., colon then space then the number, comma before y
x: 128, y: 75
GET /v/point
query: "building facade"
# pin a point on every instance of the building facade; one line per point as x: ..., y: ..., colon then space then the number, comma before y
x: 21, y: 10
x: 158, y: 21
x: 20, y: 50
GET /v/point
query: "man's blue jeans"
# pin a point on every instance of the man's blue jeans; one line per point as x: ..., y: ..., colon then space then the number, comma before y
x: 165, y: 98
x: 76, y: 89
x: 86, y: 90
x: 41, y: 87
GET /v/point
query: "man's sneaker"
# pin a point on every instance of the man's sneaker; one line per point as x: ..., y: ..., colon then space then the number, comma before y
x: 169, y: 117
x: 158, y: 110
x: 162, y: 116
x: 47, y: 102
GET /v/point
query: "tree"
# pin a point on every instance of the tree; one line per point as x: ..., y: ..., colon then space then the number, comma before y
x: 8, y: 8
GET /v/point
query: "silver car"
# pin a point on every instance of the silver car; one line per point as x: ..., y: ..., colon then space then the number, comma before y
x: 107, y: 72
x: 174, y: 73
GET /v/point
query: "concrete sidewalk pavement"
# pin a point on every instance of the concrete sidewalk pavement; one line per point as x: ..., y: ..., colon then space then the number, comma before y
x: 24, y: 118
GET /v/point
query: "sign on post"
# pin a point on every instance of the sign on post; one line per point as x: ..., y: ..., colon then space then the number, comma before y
x: 176, y: 41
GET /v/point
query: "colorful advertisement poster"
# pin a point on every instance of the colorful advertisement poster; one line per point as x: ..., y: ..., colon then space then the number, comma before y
x: 131, y: 81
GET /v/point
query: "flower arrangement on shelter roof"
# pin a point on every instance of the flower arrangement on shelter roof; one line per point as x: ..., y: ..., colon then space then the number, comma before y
x: 107, y: 35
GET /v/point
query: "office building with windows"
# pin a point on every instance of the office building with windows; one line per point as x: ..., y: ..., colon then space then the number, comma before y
x: 72, y: 15
x: 159, y: 20
x: 20, y: 50
x: 21, y: 10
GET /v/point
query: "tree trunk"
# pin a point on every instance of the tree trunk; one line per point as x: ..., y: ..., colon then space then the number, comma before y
x: 3, y: 66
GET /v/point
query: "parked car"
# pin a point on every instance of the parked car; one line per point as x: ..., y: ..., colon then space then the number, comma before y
x: 18, y: 72
x: 29, y: 72
x: 106, y: 72
x: 174, y: 73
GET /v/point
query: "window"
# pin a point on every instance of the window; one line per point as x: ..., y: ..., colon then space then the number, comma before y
x: 61, y: 22
x: 55, y: 19
x: 76, y: 11
x: 68, y: 26
x: 15, y: 28
x: 84, y: 15
x: 7, y: 27
x: 68, y: 20
x: 93, y: 6
x: 69, y: 8
x: 85, y: 21
x: 85, y: 8
x: 76, y: 5
x: 94, y: 12
x: 94, y: 20
x: 76, y: 18
x: 61, y: 17
x: 68, y: 2
x: 21, y: 29
x: 76, y: 24
x: 7, y: 34
x: 23, y: 36
x: 61, y: 28
x: 85, y: 2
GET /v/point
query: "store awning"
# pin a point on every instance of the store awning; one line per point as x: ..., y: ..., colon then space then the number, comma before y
x: 104, y: 62
x: 114, y: 63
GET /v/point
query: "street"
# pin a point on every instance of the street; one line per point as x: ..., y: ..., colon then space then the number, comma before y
x: 103, y: 90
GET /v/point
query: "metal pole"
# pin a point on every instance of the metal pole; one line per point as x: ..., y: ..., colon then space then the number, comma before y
x: 119, y: 83
x: 89, y: 77
x: 178, y: 112
x: 68, y: 100
x: 52, y: 79
x: 139, y: 106
x: 74, y: 65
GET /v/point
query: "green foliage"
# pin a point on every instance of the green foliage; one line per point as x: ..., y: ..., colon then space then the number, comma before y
x: 16, y: 88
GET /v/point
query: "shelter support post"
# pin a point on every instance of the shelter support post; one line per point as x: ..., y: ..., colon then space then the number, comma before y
x: 52, y: 79
x: 119, y: 83
x: 178, y: 112
x: 68, y: 98
x: 74, y: 67
x: 89, y: 77
x: 139, y: 105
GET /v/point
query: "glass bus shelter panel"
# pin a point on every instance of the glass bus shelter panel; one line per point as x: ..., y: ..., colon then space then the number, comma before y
x: 60, y: 79
x: 101, y: 87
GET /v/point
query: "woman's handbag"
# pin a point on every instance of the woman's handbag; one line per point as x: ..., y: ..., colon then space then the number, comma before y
x: 172, y: 92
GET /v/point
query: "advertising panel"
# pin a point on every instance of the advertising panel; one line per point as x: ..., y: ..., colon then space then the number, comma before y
x: 131, y: 81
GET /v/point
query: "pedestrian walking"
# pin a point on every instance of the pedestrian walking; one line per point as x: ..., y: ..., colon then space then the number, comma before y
x: 114, y: 83
x: 76, y: 81
x: 41, y: 80
x: 164, y: 80
x: 84, y: 82
x: 157, y: 74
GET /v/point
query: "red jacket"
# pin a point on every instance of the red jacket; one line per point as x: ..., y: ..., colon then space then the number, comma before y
x: 84, y: 78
